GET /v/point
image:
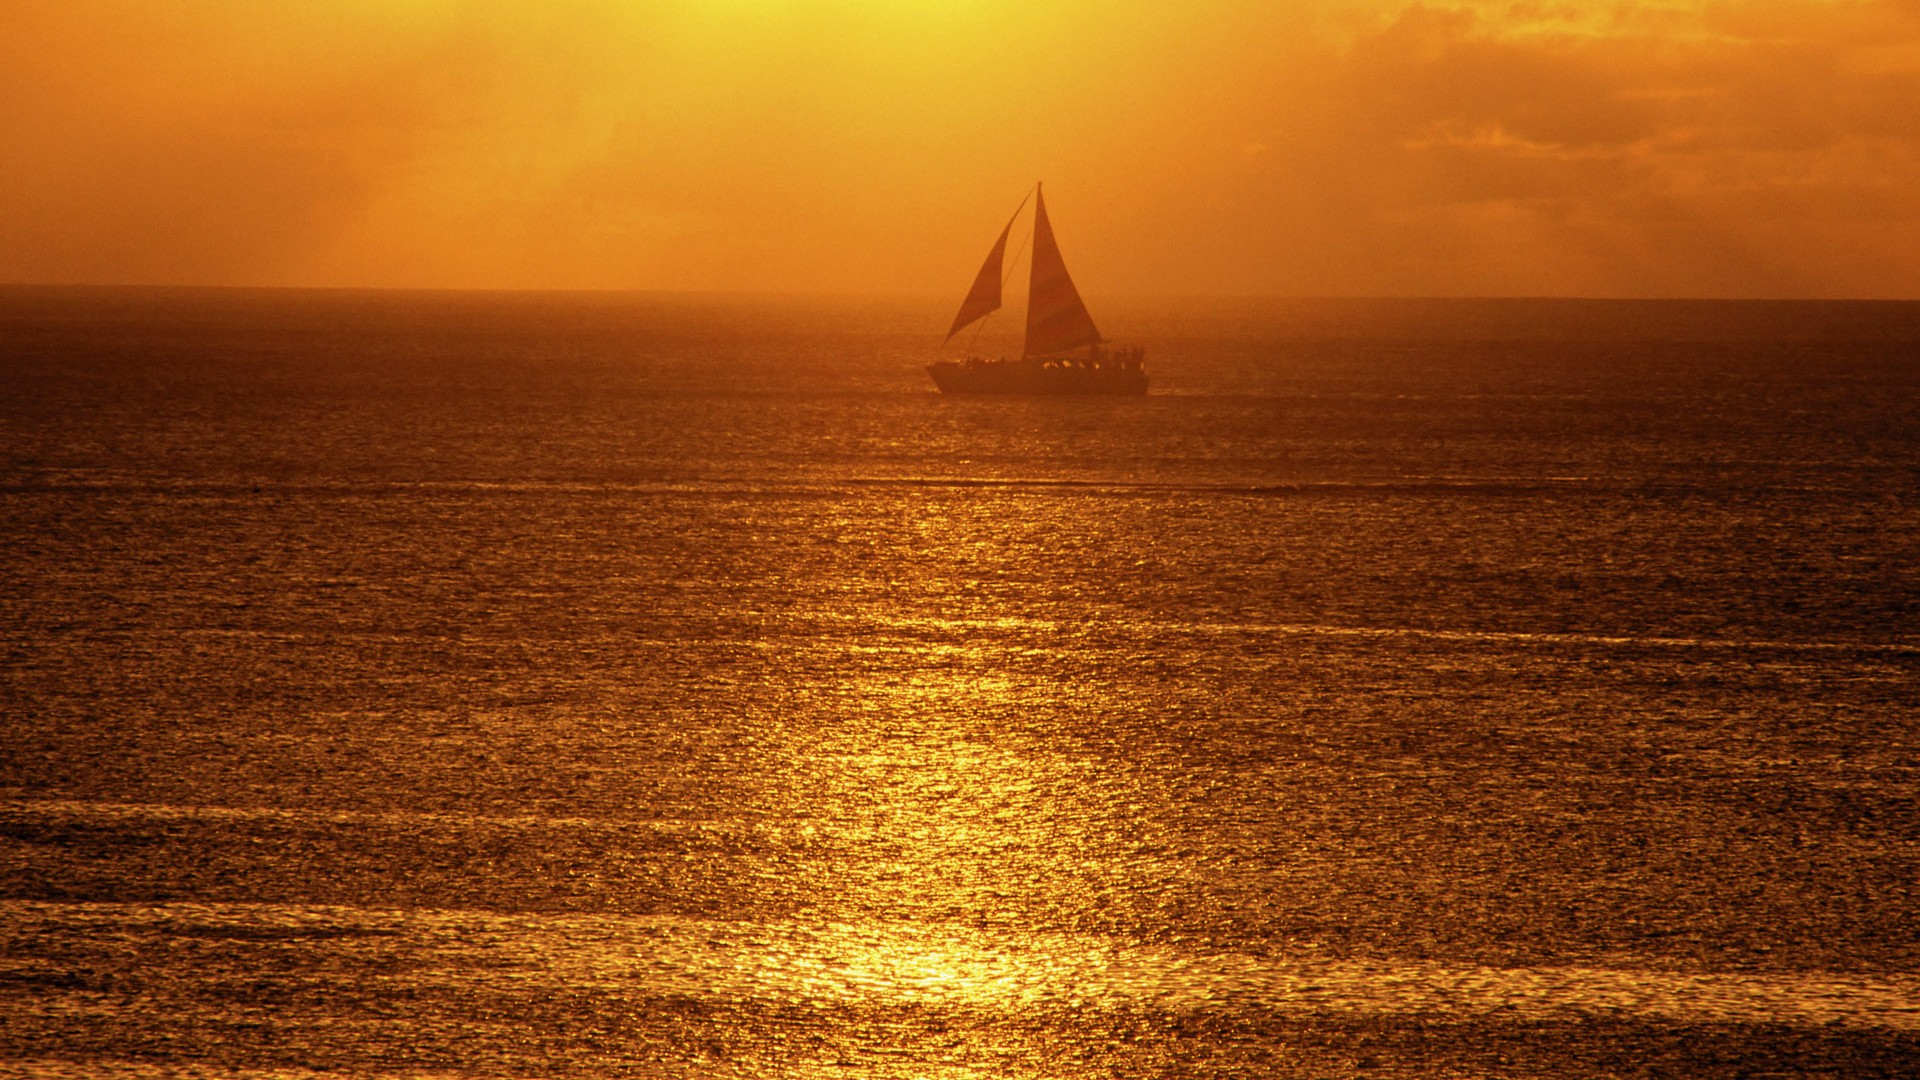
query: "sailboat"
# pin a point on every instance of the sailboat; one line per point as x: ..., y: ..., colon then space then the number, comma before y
x: 1063, y: 352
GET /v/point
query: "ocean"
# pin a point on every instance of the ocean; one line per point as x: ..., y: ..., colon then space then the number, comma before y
x: 604, y: 685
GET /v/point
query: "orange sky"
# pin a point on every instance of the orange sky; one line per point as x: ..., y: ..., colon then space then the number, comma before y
x: 1207, y: 146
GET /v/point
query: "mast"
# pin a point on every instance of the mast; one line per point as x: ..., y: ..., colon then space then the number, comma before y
x: 1057, y: 318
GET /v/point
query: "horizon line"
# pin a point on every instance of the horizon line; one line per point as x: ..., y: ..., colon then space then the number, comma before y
x: 900, y: 294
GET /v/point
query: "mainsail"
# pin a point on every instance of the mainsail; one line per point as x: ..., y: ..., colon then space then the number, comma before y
x: 984, y: 298
x: 1057, y: 319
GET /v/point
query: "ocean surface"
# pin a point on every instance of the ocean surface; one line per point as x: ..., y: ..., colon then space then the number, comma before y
x: 502, y: 685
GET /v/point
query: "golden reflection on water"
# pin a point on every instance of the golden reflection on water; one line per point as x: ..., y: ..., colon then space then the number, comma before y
x: 972, y: 818
x: 990, y: 845
x: 980, y: 825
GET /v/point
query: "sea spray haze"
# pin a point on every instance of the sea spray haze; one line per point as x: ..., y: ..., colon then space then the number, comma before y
x: 604, y: 685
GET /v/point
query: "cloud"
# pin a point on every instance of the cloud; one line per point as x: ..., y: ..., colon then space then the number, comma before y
x: 206, y: 144
x: 1718, y: 150
x: 231, y: 142
x: 1751, y: 147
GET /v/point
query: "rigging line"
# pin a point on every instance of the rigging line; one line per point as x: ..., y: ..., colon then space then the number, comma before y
x: 1005, y: 276
x: 978, y: 324
x: 1006, y: 267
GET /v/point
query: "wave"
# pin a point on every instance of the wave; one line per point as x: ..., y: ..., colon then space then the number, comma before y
x: 1321, y: 630
x: 409, y: 820
x: 948, y: 965
x: 1653, y: 641
x: 736, y: 485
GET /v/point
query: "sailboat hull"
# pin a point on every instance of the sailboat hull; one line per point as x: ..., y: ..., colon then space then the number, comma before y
x: 1034, y: 378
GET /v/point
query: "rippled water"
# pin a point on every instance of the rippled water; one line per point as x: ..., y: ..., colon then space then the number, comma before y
x: 505, y: 685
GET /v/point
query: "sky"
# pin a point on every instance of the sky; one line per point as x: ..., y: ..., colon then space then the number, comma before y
x: 1208, y: 147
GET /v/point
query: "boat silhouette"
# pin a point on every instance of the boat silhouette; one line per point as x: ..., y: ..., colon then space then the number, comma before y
x: 1062, y: 353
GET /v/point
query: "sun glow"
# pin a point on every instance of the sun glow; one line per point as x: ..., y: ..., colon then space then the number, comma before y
x: 1666, y: 147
